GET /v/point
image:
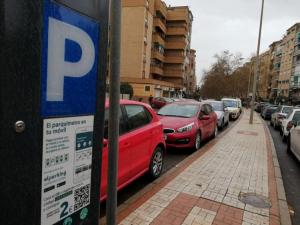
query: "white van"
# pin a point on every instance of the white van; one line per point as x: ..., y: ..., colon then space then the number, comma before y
x: 234, y: 107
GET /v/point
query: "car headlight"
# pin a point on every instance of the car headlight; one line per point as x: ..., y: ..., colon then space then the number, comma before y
x: 185, y: 128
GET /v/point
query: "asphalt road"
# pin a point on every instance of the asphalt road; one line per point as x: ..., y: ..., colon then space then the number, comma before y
x: 290, y: 169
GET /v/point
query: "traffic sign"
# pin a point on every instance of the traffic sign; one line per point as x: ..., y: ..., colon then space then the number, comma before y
x: 69, y: 62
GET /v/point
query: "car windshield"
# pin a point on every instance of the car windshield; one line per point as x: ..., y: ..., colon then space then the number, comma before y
x: 287, y: 110
x: 169, y: 100
x: 217, y: 106
x: 230, y: 103
x: 179, y: 110
x: 272, y: 109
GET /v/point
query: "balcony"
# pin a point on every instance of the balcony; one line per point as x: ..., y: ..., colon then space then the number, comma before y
x: 179, y: 73
x: 296, y: 63
x: 158, y: 55
x: 157, y: 22
x: 177, y: 31
x: 156, y: 69
x: 176, y: 45
x: 295, y: 85
x: 178, y: 15
x: 174, y: 59
x: 161, y: 7
x: 297, y: 52
x: 158, y: 39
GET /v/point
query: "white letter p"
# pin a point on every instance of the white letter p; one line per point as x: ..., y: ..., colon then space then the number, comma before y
x: 57, y: 67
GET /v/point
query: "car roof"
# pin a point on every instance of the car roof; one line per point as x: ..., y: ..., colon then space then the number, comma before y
x: 231, y: 99
x: 186, y: 103
x: 127, y: 102
x: 207, y: 101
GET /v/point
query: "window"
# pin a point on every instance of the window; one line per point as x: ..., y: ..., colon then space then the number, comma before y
x: 138, y: 116
x: 209, y: 109
x: 296, y: 116
x: 122, y: 124
x: 205, y: 110
x: 287, y: 110
x: 147, y: 88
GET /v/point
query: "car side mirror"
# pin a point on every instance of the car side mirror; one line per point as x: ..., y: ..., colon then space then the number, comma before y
x: 205, y: 117
x: 226, y: 109
x: 105, y: 143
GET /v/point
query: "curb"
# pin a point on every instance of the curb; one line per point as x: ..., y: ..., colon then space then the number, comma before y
x: 285, y: 218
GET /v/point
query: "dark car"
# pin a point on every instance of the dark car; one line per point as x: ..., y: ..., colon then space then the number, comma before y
x: 159, y: 102
x: 268, y: 111
x: 259, y: 106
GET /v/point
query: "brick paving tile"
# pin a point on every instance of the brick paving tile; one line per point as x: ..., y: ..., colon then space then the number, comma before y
x: 205, y: 190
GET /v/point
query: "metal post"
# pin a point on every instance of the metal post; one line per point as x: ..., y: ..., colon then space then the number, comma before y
x: 114, y: 107
x: 256, y: 64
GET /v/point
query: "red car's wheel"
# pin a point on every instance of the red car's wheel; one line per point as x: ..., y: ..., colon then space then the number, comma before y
x: 156, y: 163
x: 197, y: 141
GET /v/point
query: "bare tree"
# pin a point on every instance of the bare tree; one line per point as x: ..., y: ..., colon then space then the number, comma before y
x: 226, y: 77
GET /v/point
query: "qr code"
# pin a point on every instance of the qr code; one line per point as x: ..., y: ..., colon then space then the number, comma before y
x: 81, y: 197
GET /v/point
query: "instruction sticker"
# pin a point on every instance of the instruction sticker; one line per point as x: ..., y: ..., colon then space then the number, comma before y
x: 67, y: 167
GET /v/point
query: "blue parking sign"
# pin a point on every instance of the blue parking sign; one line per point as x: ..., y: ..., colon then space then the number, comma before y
x: 69, y: 62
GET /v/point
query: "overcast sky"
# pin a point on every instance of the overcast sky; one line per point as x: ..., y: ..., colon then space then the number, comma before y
x: 233, y: 25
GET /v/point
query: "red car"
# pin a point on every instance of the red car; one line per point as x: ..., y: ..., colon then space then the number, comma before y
x: 187, y: 124
x: 141, y: 144
x: 159, y: 102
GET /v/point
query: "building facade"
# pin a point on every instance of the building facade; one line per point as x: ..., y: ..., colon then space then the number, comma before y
x: 276, y: 54
x: 279, y: 69
x: 155, y: 47
x: 191, y: 80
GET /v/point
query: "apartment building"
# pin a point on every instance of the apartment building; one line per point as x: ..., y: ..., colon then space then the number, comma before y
x: 286, y: 64
x: 191, y: 73
x: 264, y: 76
x: 276, y: 54
x: 295, y: 72
x: 154, y: 47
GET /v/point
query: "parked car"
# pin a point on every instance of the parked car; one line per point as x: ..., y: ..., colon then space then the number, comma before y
x: 187, y: 124
x: 268, y: 111
x: 280, y: 114
x: 159, y: 102
x: 292, y: 118
x: 141, y: 144
x: 221, y: 111
x: 293, y: 141
x: 233, y: 107
x: 258, y: 106
x: 263, y: 107
x: 240, y: 105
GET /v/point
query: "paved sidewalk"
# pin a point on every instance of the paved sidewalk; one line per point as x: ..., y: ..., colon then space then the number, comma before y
x: 205, y: 188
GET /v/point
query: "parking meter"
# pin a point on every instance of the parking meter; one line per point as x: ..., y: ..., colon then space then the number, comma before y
x: 53, y: 60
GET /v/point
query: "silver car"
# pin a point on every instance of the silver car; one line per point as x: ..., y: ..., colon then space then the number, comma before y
x: 221, y: 111
x: 293, y: 145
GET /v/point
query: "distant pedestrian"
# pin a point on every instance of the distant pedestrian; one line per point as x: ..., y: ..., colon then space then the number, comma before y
x: 150, y: 99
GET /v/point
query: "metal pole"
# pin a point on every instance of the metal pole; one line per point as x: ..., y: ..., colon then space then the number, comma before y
x: 114, y: 107
x: 257, y: 64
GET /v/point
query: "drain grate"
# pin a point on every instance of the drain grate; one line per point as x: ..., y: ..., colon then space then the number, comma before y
x: 255, y: 200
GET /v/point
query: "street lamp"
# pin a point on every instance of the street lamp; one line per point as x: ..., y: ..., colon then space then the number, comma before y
x: 256, y: 64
